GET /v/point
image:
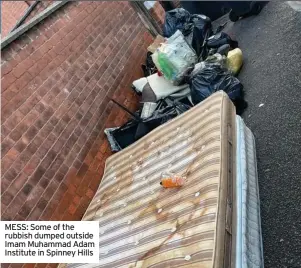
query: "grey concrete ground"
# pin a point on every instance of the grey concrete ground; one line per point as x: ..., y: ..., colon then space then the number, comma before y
x: 271, y: 75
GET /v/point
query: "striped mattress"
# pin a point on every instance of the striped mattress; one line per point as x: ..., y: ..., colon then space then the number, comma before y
x: 145, y: 225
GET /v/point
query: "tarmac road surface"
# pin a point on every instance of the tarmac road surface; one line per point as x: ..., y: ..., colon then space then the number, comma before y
x: 271, y: 75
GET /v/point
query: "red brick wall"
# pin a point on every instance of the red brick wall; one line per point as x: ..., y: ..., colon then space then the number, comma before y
x: 11, y: 12
x: 57, y: 80
x: 158, y: 13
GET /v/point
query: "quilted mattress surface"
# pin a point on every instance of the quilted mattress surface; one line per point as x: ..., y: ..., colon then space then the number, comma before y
x: 145, y: 225
x: 249, y: 249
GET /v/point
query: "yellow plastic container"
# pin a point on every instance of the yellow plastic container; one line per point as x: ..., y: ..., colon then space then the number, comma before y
x: 234, y: 60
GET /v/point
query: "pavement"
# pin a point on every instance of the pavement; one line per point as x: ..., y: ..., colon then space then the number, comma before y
x: 271, y: 75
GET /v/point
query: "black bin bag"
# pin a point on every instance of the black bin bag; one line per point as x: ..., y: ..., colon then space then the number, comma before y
x: 210, y: 76
x: 176, y: 19
x: 195, y: 28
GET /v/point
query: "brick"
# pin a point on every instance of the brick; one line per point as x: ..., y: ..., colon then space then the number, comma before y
x: 90, y: 193
x: 42, y: 92
x: 82, y: 188
x: 15, y: 135
x: 94, y: 166
x: 30, y: 103
x: 44, y: 182
x: 50, y: 190
x: 4, y: 131
x: 6, y: 198
x: 64, y: 203
x: 12, y: 154
x: 72, y: 208
x: 7, y: 80
x: 34, y: 196
x: 37, y: 175
x: 35, y: 214
x: 18, y: 183
x: 8, y: 66
x: 72, y: 189
x: 76, y: 199
x: 41, y: 265
x: 59, y: 177
x: 30, y: 117
x: 10, y: 175
x: 42, y: 204
x: 32, y: 131
x: 104, y: 147
x: 29, y: 265
x: 5, y: 216
x: 40, y: 107
x: 48, y: 211
x: 6, y: 145
x: 4, y: 186
x: 47, y: 114
x: 46, y: 162
x: 20, y: 146
x: 64, y: 169
x: 22, y: 67
x: 16, y: 265
x: 37, y: 55
x: 44, y: 133
x: 15, y: 206
x: 32, y: 165
x: 32, y: 148
x: 27, y: 189
x: 39, y: 123
x: 9, y: 93
x: 24, y: 158
x: 18, y: 218
x: 25, y: 52
x: 23, y: 80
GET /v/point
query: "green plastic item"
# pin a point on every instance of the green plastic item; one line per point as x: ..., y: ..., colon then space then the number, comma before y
x: 166, y: 66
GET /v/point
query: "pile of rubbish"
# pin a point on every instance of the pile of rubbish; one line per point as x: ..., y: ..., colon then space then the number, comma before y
x: 183, y: 68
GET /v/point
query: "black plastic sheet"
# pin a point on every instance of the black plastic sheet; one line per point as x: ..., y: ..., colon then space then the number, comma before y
x: 123, y: 136
x: 149, y: 67
x: 220, y: 39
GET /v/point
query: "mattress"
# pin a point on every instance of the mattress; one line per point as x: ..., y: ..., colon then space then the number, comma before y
x: 249, y: 249
x: 145, y: 225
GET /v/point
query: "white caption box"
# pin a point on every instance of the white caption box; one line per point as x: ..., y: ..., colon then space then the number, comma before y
x: 49, y: 242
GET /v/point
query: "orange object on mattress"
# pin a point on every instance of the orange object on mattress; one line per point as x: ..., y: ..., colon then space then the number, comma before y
x: 170, y: 180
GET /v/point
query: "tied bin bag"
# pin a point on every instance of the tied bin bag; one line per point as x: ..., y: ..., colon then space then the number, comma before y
x: 210, y: 76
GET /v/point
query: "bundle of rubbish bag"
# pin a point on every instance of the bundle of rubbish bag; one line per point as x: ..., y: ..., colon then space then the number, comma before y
x: 183, y: 67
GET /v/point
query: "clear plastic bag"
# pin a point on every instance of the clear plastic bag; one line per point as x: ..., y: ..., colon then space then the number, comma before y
x: 174, y: 58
